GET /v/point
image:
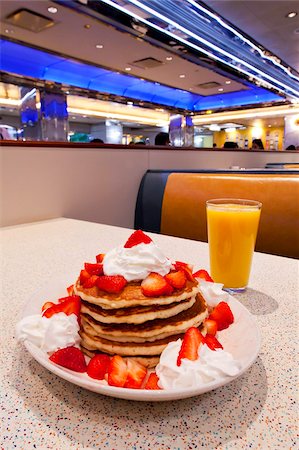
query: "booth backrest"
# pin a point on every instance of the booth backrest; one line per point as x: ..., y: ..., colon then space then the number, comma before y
x: 173, y: 203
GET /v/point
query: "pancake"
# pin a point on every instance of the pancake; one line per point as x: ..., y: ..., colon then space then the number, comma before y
x: 135, y: 314
x: 126, y: 348
x: 148, y: 331
x: 132, y: 295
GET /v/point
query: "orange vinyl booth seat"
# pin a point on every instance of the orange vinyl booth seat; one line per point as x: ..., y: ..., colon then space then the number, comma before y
x: 173, y: 203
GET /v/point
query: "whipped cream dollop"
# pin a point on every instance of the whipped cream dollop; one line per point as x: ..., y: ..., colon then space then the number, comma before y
x: 137, y: 262
x: 49, y: 334
x: 212, y: 292
x: 211, y: 365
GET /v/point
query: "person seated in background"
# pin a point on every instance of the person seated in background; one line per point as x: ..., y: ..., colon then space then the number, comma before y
x: 291, y: 147
x: 97, y: 141
x: 162, y: 138
x: 230, y: 144
x: 257, y: 144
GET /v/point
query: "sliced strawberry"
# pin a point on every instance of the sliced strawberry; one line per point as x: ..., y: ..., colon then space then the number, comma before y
x: 84, y: 275
x: 136, y: 374
x: 91, y: 282
x: 177, y: 279
x: 152, y: 382
x: 168, y: 290
x: 70, y: 357
x: 98, y: 366
x: 47, y: 305
x: 187, y: 268
x: 70, y: 289
x: 211, y: 326
x: 94, y: 269
x: 154, y: 285
x: 138, y: 237
x: 222, y: 315
x: 117, y: 371
x: 203, y: 274
x: 100, y: 257
x: 191, y: 342
x: 111, y: 283
x: 69, y: 306
x: 63, y: 299
x: 212, y: 342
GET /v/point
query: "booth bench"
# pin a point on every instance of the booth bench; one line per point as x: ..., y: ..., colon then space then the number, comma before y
x: 173, y: 203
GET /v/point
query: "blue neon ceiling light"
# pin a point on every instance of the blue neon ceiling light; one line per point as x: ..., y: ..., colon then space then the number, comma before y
x: 30, y: 62
x: 196, y: 27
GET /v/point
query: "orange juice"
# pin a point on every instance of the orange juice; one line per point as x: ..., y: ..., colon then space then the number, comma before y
x: 232, y: 230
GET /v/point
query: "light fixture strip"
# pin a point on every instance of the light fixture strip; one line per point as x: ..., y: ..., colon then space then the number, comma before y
x: 81, y: 111
x: 209, y: 44
x: 248, y: 114
x: 205, y: 42
x: 241, y: 36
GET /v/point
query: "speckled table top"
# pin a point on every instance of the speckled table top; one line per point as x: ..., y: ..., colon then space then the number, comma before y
x: 41, y: 411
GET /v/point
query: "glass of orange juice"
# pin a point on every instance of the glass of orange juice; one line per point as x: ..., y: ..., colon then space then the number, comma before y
x: 232, y: 230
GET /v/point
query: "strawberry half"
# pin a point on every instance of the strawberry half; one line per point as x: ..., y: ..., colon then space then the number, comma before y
x: 98, y: 366
x: 94, y: 269
x: 191, y: 342
x: 47, y: 305
x: 138, y: 237
x: 70, y: 357
x: 212, y: 342
x: 111, y: 283
x: 211, y: 326
x: 203, y: 274
x: 187, y: 268
x: 70, y: 289
x: 177, y: 279
x: 71, y: 305
x: 155, y: 285
x: 222, y: 315
x: 100, y: 257
x: 136, y: 374
x: 117, y: 371
x: 91, y: 282
x: 152, y: 382
x: 84, y: 275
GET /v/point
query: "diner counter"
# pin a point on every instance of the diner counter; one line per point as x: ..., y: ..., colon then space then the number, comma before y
x: 42, y: 411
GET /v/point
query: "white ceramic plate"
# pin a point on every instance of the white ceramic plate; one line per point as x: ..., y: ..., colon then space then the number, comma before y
x: 241, y: 339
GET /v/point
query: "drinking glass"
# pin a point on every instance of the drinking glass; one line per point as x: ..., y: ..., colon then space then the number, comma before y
x: 232, y: 229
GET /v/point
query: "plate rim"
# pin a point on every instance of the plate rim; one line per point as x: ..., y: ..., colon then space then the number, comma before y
x: 88, y: 383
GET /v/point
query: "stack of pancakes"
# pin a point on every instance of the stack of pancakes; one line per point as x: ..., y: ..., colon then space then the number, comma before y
x: 135, y: 326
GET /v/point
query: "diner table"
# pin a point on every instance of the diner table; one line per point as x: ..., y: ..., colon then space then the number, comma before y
x: 40, y: 410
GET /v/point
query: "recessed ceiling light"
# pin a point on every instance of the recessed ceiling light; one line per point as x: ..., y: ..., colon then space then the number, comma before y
x: 128, y: 69
x: 99, y: 46
x: 52, y: 10
x: 291, y: 14
x: 168, y: 58
x: 182, y: 75
x: 87, y: 26
x: 269, y: 126
x: 228, y: 82
x: 220, y: 89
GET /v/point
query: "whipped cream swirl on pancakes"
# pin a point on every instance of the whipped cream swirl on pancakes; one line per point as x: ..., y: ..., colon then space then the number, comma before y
x: 154, y: 302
